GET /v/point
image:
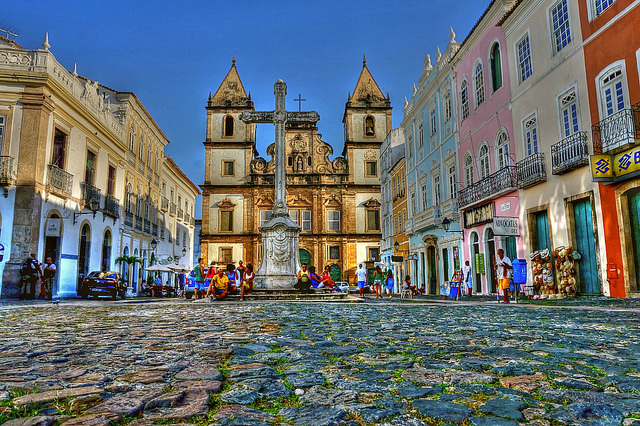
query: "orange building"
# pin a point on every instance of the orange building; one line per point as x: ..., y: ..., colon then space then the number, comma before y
x: 612, y: 60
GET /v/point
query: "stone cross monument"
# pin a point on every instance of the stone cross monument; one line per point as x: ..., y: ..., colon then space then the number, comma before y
x: 279, y: 265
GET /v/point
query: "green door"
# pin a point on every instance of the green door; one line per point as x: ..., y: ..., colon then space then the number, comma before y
x: 334, y: 271
x: 431, y: 252
x: 634, y: 212
x: 445, y: 263
x: 305, y: 257
x: 542, y: 231
x: 512, y: 253
x: 585, y: 244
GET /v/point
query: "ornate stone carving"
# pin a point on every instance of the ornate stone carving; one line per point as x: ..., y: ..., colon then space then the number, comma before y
x: 299, y: 200
x: 332, y: 200
x: 297, y: 143
x: 370, y: 154
x: 226, y: 203
x: 372, y: 203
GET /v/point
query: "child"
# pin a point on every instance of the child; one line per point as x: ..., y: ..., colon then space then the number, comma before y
x: 389, y: 284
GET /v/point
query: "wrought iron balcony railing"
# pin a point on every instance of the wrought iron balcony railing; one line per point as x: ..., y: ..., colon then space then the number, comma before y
x: 90, y: 193
x: 138, y: 223
x: 503, y: 180
x: 112, y: 206
x: 180, y: 214
x: 617, y: 132
x: 128, y: 219
x: 531, y: 171
x: 59, y: 181
x: 187, y: 218
x: 570, y: 153
x: 164, y: 206
x: 173, y: 208
x: 6, y: 170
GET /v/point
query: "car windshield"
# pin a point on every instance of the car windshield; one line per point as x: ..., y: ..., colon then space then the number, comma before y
x: 94, y: 274
x: 105, y: 275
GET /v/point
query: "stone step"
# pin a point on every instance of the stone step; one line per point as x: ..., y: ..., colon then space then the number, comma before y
x: 260, y: 295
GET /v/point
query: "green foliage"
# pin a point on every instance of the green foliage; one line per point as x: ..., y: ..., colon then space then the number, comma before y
x: 129, y: 260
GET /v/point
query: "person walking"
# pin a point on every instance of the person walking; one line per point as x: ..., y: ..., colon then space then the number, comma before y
x: 468, y: 280
x: 361, y: 279
x: 199, y: 278
x: 49, y: 274
x: 377, y: 282
x: 389, y: 283
x: 503, y: 274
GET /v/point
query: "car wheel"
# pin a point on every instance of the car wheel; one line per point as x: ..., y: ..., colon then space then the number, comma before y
x: 84, y: 294
x: 114, y: 295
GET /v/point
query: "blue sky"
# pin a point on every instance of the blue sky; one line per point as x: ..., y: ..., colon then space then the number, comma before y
x: 171, y: 54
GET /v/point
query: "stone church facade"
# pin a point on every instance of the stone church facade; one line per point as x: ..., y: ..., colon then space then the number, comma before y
x: 336, y: 202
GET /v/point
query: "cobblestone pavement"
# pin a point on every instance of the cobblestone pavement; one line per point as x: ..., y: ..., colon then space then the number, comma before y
x: 172, y: 361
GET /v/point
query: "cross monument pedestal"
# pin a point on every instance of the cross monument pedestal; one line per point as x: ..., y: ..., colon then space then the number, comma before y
x: 279, y: 266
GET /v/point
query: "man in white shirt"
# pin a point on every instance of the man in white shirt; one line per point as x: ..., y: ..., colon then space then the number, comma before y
x: 468, y: 279
x: 503, y: 274
x: 361, y: 279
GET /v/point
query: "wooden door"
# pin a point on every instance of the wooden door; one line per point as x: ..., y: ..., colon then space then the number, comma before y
x: 585, y: 244
x: 433, y: 280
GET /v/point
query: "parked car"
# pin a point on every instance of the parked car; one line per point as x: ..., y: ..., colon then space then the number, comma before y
x: 343, y: 286
x: 190, y: 284
x: 99, y: 283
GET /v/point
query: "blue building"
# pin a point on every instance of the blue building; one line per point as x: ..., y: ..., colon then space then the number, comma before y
x: 431, y: 132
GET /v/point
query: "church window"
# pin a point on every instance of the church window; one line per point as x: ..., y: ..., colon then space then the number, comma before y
x: 308, y: 161
x: 479, y: 84
x: 464, y: 98
x: 228, y: 168
x: 226, y: 221
x: 371, y: 169
x: 373, y: 220
x: 496, y: 67
x: 226, y: 254
x: 369, y: 126
x: 228, y: 126
x: 334, y: 252
x: 265, y: 215
x: 333, y: 220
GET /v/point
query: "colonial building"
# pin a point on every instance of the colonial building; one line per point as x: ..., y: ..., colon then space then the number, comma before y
x: 72, y: 152
x: 486, y: 153
x: 431, y: 132
x: 612, y: 59
x: 336, y: 202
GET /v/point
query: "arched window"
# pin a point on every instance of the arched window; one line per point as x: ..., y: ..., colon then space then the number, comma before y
x: 483, y: 155
x: 468, y: 170
x: 478, y: 79
x: 496, y: 67
x: 464, y: 98
x: 228, y: 125
x: 502, y: 149
x: 612, y: 92
x: 141, y: 148
x: 369, y: 126
x: 132, y: 138
x: 127, y: 199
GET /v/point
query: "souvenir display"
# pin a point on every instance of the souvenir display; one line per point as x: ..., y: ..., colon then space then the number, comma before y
x: 565, y: 258
x: 542, y: 273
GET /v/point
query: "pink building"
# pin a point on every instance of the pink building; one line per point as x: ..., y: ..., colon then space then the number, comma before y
x: 488, y: 195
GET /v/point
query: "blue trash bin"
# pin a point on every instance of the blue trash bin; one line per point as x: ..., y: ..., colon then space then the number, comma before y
x: 519, y: 271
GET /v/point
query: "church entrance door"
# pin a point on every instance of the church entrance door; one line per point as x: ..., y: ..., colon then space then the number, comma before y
x: 304, y: 256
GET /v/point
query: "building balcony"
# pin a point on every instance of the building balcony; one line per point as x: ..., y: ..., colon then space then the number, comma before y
x: 59, y: 181
x: 164, y: 205
x: 570, y: 153
x: 6, y: 172
x: 531, y: 171
x: 138, y: 223
x: 617, y: 132
x: 172, y: 209
x: 90, y: 193
x: 128, y: 219
x: 492, y: 186
x: 147, y: 226
x: 154, y: 229
x: 131, y: 158
x: 180, y: 214
x: 112, y: 206
x: 187, y: 218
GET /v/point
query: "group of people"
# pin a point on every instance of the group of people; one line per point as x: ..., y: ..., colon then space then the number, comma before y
x: 217, y: 283
x: 463, y: 280
x: 308, y: 278
x: 37, y: 278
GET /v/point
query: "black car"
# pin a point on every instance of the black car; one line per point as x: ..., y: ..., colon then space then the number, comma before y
x: 103, y: 284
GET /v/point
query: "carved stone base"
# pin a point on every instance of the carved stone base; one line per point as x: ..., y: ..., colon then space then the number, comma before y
x: 279, y: 265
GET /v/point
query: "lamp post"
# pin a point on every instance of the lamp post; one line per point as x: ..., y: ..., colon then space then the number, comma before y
x: 94, y: 206
x: 446, y: 224
x: 154, y: 245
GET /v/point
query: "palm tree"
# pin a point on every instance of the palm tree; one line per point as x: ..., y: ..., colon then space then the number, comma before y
x: 129, y: 260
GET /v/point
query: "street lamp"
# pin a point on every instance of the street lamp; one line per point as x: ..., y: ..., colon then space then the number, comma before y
x: 154, y: 244
x: 446, y: 223
x: 94, y: 206
x: 184, y: 251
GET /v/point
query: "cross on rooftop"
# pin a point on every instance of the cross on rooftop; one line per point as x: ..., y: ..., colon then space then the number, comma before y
x: 299, y: 101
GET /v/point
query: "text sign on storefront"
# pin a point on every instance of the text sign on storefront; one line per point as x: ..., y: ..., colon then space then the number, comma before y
x: 480, y: 263
x: 478, y: 215
x: 611, y: 167
x: 506, y: 226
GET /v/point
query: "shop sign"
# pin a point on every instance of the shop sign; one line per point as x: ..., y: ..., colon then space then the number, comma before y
x: 506, y: 226
x: 53, y: 227
x: 396, y: 258
x: 611, y: 167
x: 478, y: 215
x: 480, y: 263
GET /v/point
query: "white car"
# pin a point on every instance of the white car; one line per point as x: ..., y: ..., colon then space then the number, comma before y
x: 343, y: 286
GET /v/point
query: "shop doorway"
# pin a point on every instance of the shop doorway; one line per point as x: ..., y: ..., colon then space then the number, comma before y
x: 543, y: 239
x: 585, y: 244
x: 423, y: 272
x: 475, y: 254
x: 305, y: 257
x: 84, y: 253
x: 634, y: 213
x: 52, y: 249
x: 433, y: 280
x: 491, y: 260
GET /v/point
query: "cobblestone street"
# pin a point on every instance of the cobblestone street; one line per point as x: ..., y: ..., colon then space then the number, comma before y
x: 390, y: 362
